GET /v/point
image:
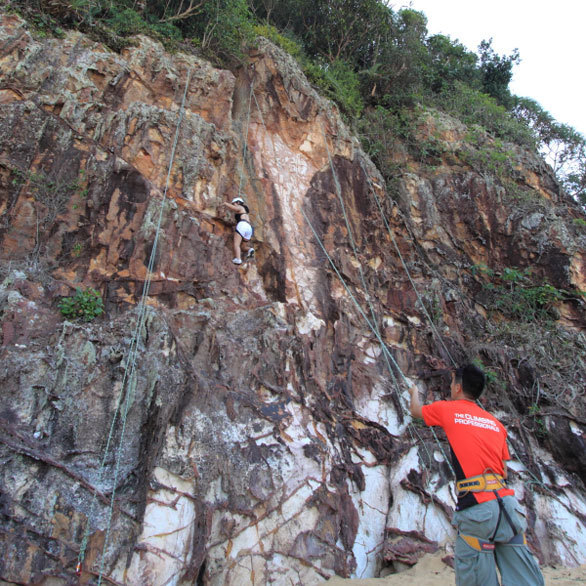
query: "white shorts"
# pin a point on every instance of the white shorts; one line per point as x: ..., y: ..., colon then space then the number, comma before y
x: 244, y: 229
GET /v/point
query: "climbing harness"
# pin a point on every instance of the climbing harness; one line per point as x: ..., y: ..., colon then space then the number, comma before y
x: 489, y: 482
x: 481, y: 483
x: 503, y: 511
x: 129, y: 379
x: 484, y: 545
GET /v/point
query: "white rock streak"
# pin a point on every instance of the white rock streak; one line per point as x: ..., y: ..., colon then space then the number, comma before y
x: 290, y: 174
x: 164, y: 546
x: 408, y: 513
x: 372, y: 505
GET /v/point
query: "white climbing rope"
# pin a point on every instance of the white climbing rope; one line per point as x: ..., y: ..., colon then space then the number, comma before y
x: 406, y: 268
x: 535, y: 479
x: 389, y: 359
x: 129, y: 379
x: 386, y: 351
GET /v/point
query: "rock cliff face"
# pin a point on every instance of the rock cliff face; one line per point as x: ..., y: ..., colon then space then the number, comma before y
x: 266, y: 439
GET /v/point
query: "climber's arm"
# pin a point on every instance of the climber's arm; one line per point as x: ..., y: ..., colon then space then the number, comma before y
x: 415, y: 405
x: 234, y: 208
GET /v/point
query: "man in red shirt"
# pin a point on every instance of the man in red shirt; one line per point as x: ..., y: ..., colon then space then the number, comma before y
x: 488, y: 519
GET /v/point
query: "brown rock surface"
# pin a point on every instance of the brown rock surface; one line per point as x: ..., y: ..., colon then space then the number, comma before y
x: 265, y: 441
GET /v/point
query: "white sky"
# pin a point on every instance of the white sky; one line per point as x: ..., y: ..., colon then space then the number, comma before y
x: 549, y: 36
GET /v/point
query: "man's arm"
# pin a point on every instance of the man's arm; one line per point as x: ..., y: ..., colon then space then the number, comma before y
x: 415, y: 406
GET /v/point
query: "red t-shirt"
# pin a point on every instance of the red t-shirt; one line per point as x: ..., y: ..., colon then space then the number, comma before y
x: 478, y: 441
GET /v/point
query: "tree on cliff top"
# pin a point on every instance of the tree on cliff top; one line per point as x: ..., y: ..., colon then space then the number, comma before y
x: 361, y: 53
x: 497, y: 72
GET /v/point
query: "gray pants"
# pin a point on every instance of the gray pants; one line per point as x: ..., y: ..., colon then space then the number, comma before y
x: 516, y: 564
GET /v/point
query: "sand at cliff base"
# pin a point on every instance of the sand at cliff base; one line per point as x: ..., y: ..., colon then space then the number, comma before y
x: 431, y: 571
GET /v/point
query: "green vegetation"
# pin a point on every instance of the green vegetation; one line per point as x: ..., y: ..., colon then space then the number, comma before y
x: 289, y: 45
x: 84, y: 305
x: 476, y: 108
x: 494, y: 157
x: 539, y: 426
x: 339, y: 82
x: 516, y: 294
x: 380, y: 66
x: 481, y: 269
x: 492, y: 378
x: 51, y: 190
x: 564, y: 146
x: 76, y: 250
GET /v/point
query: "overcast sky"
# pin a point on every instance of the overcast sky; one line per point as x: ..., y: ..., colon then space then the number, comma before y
x: 549, y: 36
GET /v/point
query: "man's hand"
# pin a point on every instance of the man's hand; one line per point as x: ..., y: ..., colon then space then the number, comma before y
x: 415, y: 406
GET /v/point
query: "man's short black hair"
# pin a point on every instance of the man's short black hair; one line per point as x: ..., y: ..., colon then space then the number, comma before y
x: 472, y: 380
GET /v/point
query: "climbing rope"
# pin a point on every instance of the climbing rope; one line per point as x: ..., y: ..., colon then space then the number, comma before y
x: 382, y: 343
x: 373, y: 325
x: 406, y: 268
x: 387, y: 355
x: 374, y: 330
x: 534, y: 478
x: 129, y: 379
x: 349, y: 229
x: 245, y: 140
x: 386, y: 351
x: 389, y: 358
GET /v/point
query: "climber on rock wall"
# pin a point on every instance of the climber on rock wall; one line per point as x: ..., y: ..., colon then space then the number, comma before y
x: 243, y: 231
x: 491, y: 528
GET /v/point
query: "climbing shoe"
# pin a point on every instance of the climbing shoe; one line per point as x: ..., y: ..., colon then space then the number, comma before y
x: 236, y: 261
x: 250, y: 253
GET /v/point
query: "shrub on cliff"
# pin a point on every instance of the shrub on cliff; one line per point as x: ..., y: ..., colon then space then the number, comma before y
x: 84, y: 305
x: 472, y: 106
x: 222, y: 29
x: 339, y: 82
